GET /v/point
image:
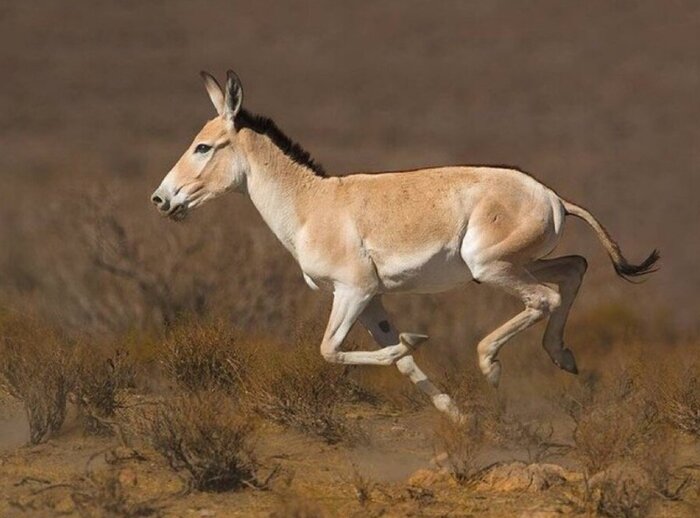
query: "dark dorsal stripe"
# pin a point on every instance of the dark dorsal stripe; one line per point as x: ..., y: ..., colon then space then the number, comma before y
x: 265, y: 126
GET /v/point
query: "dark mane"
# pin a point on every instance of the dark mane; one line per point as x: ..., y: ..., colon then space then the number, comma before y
x: 265, y: 126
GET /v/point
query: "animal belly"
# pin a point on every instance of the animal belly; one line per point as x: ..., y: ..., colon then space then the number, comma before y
x: 423, y: 271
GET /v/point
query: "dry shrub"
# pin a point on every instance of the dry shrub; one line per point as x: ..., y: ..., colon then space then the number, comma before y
x: 205, y: 437
x: 362, y: 485
x: 203, y: 356
x: 604, y: 434
x: 681, y: 405
x: 100, y: 377
x: 675, y: 389
x: 488, y: 416
x: 460, y: 446
x: 621, y: 441
x: 291, y: 385
x: 534, y: 436
x: 472, y: 393
x: 613, y: 421
x: 297, y: 388
x: 104, y: 495
x: 622, y: 497
x: 628, y: 488
x: 35, y: 368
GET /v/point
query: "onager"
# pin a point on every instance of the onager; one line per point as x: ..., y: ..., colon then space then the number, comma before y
x: 422, y: 231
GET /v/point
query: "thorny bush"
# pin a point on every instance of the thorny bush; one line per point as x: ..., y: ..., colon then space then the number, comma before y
x: 207, y: 438
x: 35, y: 369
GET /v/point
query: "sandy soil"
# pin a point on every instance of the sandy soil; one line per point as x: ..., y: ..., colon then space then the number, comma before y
x: 75, y: 475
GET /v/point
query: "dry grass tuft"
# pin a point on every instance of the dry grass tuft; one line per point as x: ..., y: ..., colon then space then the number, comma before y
x: 203, y: 356
x: 105, y: 494
x: 613, y: 421
x: 622, y: 442
x: 35, y: 368
x: 206, y: 438
x: 534, y: 436
x: 474, y: 396
x: 459, y: 446
x: 288, y: 384
x: 629, y: 488
x: 297, y: 388
x: 362, y: 485
x: 622, y: 497
x: 676, y: 392
x: 99, y: 379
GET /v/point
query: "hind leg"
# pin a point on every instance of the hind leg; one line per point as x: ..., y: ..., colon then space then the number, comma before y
x: 539, y: 300
x: 566, y: 272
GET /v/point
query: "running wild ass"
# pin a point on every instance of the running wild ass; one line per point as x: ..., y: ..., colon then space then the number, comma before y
x: 422, y: 231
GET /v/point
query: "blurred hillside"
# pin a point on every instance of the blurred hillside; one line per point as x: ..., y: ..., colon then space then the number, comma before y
x: 599, y: 100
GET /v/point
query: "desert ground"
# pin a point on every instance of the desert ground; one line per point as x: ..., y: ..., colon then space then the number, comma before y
x: 149, y: 368
x: 207, y: 421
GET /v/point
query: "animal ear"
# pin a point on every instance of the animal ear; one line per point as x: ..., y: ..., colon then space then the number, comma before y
x: 233, y: 97
x: 214, y: 90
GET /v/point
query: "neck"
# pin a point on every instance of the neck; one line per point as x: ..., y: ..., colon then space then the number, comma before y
x: 279, y: 186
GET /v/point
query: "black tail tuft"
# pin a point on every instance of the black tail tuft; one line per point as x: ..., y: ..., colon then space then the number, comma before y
x: 627, y: 270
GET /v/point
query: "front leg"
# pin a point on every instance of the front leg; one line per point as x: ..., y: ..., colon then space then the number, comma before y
x: 376, y: 320
x: 348, y: 305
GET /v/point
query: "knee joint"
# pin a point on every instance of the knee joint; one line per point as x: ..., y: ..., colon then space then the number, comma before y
x: 553, y: 301
x: 330, y: 355
x: 406, y: 366
x: 546, y: 301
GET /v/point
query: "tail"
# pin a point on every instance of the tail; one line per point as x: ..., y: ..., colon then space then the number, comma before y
x: 623, y: 267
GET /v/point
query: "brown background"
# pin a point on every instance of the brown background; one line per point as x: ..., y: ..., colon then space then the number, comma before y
x: 599, y: 100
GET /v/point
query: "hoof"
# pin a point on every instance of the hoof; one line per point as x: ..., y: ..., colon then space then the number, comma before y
x: 567, y: 362
x: 412, y: 340
x: 494, y: 374
x: 444, y: 404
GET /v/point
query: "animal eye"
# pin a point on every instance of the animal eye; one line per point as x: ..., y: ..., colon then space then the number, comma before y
x: 202, y: 148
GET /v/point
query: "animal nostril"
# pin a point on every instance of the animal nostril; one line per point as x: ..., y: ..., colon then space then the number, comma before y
x: 157, y: 200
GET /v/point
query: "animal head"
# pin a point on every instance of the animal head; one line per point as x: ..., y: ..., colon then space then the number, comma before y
x: 214, y: 163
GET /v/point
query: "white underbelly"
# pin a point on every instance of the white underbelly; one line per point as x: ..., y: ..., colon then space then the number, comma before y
x: 430, y: 270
